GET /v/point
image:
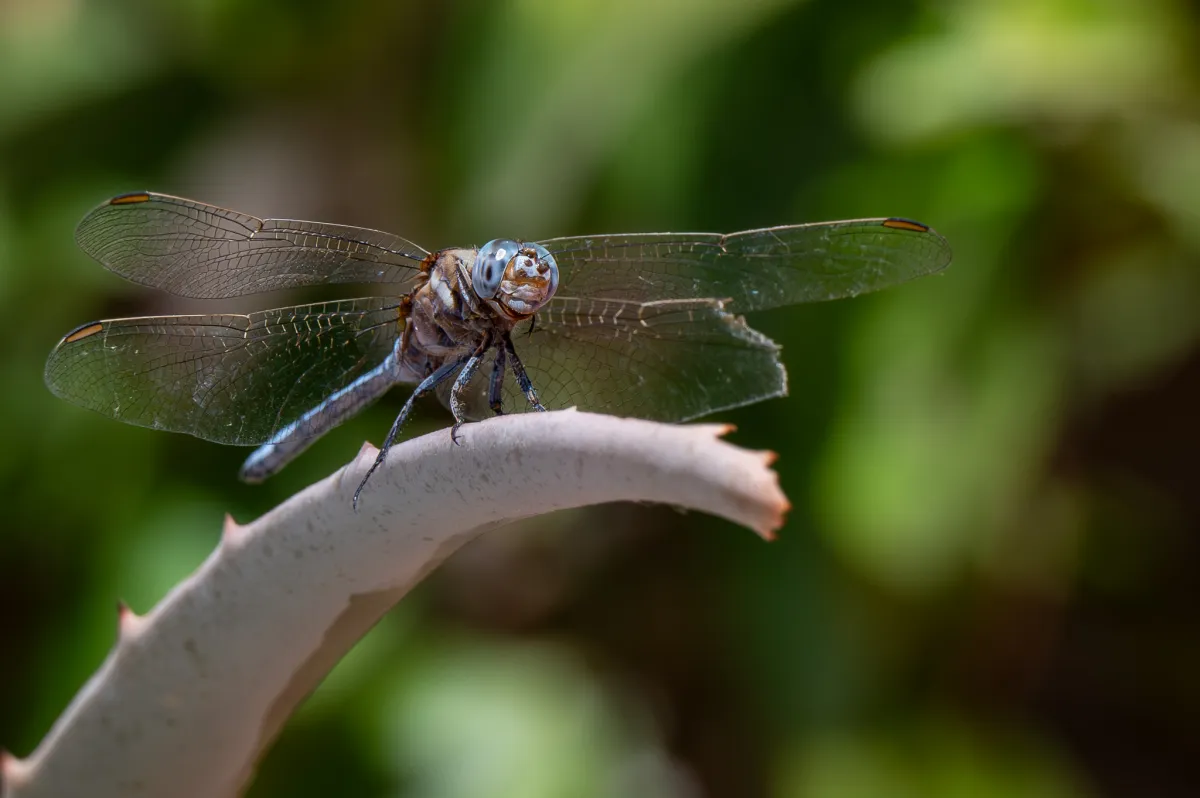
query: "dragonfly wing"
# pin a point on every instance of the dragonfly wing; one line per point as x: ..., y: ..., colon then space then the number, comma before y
x: 755, y: 269
x: 197, y: 250
x: 671, y: 360
x: 226, y: 378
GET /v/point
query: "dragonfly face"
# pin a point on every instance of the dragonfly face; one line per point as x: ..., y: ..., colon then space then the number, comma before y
x: 643, y: 324
x: 517, y: 278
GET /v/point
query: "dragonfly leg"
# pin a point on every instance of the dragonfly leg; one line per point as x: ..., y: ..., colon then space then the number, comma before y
x: 460, y: 383
x: 427, y: 385
x: 522, y: 378
x: 496, y: 388
x: 293, y: 439
x: 465, y: 293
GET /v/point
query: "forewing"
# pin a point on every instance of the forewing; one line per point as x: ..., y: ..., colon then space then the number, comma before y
x: 755, y: 269
x: 197, y: 250
x: 668, y: 361
x: 225, y: 378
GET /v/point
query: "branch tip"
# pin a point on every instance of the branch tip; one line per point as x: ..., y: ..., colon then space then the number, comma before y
x: 12, y: 771
x: 784, y: 509
x: 128, y: 621
x: 778, y: 512
x: 230, y: 528
x: 715, y: 430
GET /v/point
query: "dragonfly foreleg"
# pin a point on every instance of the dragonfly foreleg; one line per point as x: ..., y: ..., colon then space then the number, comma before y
x: 293, y: 439
x: 426, y: 385
x: 496, y: 388
x: 522, y: 378
x: 460, y: 384
x: 465, y: 294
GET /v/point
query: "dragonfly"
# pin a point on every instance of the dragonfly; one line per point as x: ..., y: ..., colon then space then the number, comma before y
x: 646, y: 325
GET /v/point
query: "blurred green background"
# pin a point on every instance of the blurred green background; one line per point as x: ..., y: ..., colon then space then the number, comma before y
x: 987, y: 585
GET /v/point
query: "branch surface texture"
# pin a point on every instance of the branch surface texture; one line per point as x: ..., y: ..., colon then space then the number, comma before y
x: 193, y: 692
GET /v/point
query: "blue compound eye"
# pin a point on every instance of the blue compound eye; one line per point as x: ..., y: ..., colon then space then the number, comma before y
x: 490, y: 264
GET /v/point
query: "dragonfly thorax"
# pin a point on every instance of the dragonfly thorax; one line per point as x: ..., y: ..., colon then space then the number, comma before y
x: 515, y: 279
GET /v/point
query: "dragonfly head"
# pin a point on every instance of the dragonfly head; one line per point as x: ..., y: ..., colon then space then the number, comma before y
x: 515, y: 278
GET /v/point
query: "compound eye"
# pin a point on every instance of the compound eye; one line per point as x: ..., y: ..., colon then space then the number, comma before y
x: 551, y: 264
x: 490, y: 264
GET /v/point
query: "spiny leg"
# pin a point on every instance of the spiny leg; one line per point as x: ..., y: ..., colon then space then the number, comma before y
x: 465, y: 294
x: 522, y: 378
x: 427, y: 385
x: 460, y: 384
x: 496, y: 389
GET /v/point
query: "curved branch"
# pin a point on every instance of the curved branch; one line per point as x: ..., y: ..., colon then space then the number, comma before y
x: 193, y: 692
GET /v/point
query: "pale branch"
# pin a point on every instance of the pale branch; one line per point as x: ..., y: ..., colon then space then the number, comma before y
x: 193, y: 692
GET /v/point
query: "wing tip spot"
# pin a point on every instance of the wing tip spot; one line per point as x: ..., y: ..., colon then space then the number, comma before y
x: 899, y: 223
x: 132, y: 198
x: 83, y: 331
